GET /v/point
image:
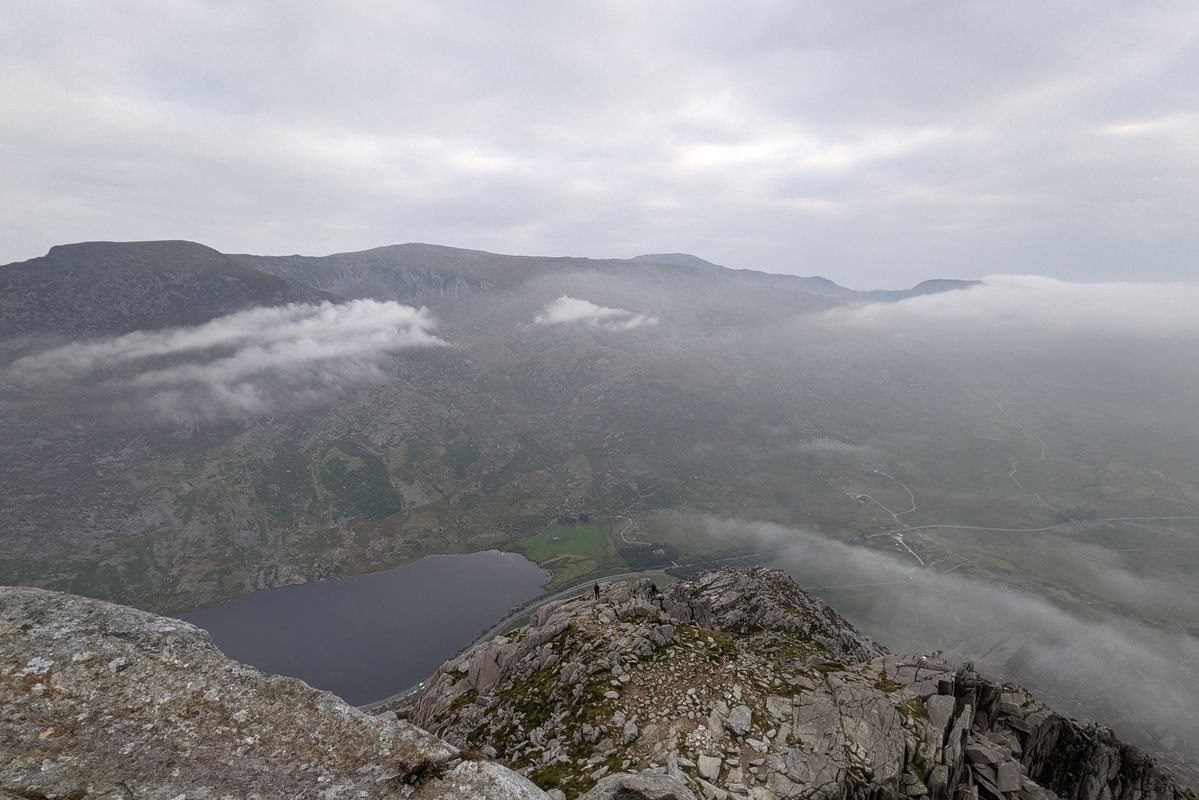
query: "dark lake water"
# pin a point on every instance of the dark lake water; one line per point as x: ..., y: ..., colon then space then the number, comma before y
x: 369, y: 636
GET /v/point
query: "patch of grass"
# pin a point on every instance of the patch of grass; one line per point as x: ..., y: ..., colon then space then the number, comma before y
x: 589, y: 541
x: 913, y: 708
x: 828, y: 667
x: 553, y: 775
x: 568, y: 568
x: 887, y: 685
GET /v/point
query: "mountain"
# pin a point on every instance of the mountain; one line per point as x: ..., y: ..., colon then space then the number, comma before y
x: 812, y: 285
x: 654, y: 413
x: 118, y: 287
x: 419, y: 274
x: 732, y: 684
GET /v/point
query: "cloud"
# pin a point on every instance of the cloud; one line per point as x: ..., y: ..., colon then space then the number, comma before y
x: 1033, y: 305
x: 950, y: 139
x: 247, y: 363
x: 1142, y: 681
x: 573, y: 311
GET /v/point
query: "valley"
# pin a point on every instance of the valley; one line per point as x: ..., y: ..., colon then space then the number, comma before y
x: 686, y: 414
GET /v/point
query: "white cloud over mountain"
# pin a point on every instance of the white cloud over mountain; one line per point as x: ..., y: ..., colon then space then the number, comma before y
x: 573, y: 311
x: 246, y: 363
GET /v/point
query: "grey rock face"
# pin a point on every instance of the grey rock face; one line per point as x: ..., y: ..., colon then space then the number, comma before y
x: 107, y: 701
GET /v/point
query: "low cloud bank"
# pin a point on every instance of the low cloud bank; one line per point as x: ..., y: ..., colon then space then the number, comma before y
x: 246, y: 363
x: 1144, y: 682
x: 573, y: 311
x: 1029, y: 303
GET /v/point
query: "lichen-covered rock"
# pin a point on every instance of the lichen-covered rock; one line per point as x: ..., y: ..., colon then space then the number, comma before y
x: 100, y: 700
x: 479, y: 780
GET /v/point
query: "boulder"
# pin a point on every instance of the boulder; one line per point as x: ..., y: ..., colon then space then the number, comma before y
x: 1008, y: 777
x: 479, y: 780
x: 708, y: 766
x: 740, y: 720
x: 639, y: 787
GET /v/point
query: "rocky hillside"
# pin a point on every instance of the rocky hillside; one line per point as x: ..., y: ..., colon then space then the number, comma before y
x: 103, y: 701
x: 738, y: 684
x: 734, y: 684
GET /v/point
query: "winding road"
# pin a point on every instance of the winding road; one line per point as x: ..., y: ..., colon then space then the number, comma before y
x: 624, y: 532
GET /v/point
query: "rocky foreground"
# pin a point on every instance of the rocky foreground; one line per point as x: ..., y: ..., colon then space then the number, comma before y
x: 103, y: 701
x: 733, y: 684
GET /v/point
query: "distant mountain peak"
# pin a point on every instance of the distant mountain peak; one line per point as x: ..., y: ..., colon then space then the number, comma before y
x: 155, y: 247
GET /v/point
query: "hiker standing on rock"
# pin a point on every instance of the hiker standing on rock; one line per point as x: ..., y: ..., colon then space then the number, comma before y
x: 596, y: 588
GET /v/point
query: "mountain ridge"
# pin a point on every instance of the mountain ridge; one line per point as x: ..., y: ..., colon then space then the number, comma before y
x: 814, y: 284
x: 439, y: 270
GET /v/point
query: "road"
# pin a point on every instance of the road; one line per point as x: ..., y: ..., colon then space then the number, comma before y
x: 1058, y: 526
x: 897, y: 515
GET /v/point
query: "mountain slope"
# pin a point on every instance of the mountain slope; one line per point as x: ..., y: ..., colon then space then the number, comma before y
x: 118, y: 287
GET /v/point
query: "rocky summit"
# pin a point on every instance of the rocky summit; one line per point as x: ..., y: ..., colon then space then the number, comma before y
x: 734, y: 684
x: 738, y: 684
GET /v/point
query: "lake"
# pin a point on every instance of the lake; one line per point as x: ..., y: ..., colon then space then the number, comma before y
x: 369, y: 636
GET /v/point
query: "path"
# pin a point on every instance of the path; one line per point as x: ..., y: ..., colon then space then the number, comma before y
x: 624, y: 532
x: 954, y: 526
x: 1017, y: 463
x: 897, y: 515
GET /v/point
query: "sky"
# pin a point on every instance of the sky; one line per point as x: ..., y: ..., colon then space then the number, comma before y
x: 877, y: 143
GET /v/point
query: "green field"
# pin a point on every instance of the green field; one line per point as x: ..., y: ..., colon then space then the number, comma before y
x: 588, y: 541
x: 569, y: 551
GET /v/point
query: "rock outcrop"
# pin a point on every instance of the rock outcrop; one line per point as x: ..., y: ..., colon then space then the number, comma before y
x: 99, y: 700
x: 734, y: 684
x: 738, y: 684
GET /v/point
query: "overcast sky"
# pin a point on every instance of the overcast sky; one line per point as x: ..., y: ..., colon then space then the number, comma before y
x: 875, y: 143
